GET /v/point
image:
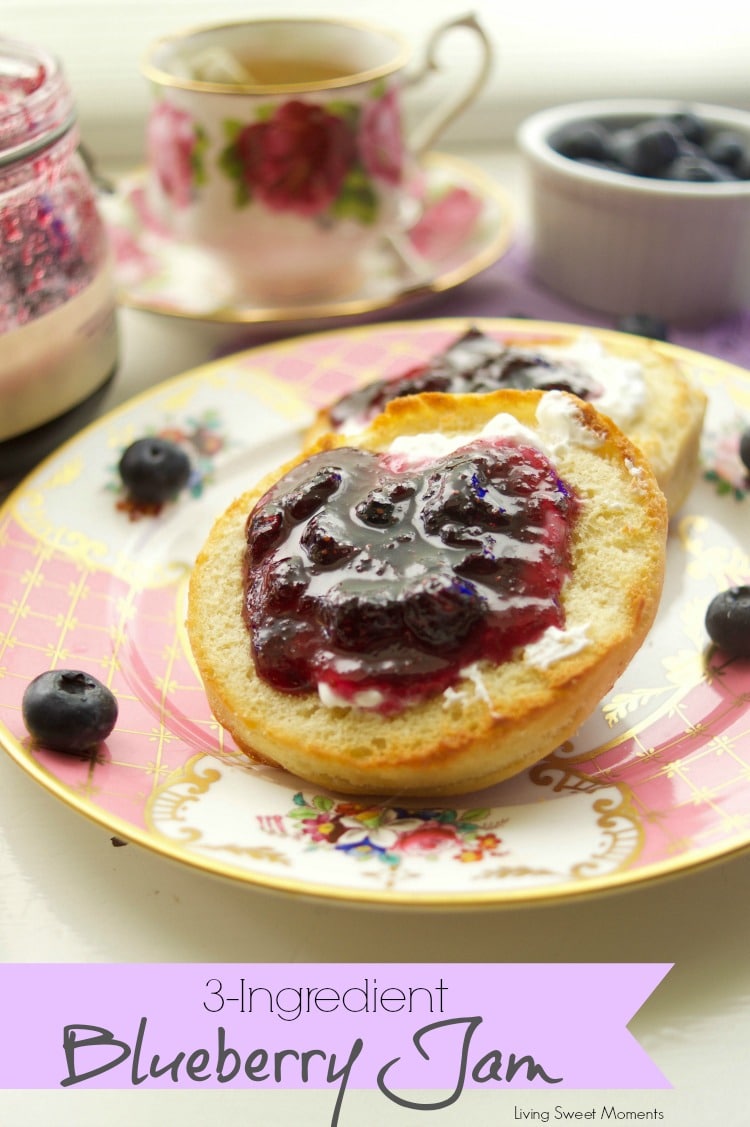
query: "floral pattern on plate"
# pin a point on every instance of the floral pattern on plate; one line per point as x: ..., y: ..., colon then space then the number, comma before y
x: 202, y: 440
x: 723, y: 466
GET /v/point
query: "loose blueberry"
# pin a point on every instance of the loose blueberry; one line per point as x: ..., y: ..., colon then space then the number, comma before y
x: 67, y: 710
x: 154, y: 470
x: 745, y: 448
x: 643, y: 325
x: 728, y: 621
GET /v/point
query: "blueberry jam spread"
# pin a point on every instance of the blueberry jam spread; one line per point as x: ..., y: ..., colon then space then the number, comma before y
x: 378, y: 581
x: 475, y: 363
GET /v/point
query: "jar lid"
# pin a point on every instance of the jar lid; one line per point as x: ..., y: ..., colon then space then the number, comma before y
x: 36, y: 104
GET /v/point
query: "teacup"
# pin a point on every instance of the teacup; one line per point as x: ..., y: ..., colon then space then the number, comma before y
x: 280, y: 146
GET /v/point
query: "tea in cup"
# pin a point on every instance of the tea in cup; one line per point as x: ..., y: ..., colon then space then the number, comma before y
x: 279, y: 145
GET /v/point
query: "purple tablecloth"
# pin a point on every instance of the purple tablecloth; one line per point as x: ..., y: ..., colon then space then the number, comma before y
x: 507, y: 289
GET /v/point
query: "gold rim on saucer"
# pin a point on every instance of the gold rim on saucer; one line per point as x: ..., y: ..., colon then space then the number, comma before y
x: 162, y: 77
x: 419, y: 282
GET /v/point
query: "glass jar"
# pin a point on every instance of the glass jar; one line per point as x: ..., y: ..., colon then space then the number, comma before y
x: 58, y: 331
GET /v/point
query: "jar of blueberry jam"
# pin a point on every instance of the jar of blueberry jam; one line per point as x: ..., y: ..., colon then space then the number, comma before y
x: 58, y: 333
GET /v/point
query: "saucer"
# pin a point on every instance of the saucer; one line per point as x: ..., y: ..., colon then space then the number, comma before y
x: 463, y: 226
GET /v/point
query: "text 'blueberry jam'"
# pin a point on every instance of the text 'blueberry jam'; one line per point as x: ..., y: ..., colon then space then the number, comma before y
x: 363, y: 576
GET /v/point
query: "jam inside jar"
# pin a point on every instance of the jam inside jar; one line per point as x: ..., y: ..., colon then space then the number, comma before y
x: 375, y: 583
x: 58, y: 332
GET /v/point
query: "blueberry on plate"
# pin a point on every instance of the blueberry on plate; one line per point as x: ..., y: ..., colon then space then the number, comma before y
x: 745, y: 448
x: 643, y: 325
x: 154, y: 470
x: 728, y: 621
x: 67, y: 710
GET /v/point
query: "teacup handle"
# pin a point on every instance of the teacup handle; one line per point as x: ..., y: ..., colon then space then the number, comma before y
x: 429, y: 129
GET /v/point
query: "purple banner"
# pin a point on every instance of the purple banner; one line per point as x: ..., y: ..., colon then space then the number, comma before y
x: 398, y: 1028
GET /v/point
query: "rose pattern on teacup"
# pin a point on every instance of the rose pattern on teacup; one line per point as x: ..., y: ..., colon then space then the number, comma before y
x: 175, y: 144
x: 311, y: 159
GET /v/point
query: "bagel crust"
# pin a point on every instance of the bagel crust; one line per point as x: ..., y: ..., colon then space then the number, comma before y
x: 497, y: 719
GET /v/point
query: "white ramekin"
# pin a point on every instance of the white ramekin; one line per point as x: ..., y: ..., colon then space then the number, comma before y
x: 625, y: 244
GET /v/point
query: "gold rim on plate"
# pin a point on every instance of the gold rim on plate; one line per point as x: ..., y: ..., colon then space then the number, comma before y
x: 716, y: 375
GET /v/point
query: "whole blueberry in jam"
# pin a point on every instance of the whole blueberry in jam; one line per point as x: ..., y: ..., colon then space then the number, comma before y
x: 68, y: 710
x: 391, y: 576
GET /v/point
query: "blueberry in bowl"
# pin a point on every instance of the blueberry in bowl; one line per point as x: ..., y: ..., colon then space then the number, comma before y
x: 654, y: 216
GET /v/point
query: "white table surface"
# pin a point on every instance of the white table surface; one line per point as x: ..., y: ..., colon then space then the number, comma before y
x: 68, y: 895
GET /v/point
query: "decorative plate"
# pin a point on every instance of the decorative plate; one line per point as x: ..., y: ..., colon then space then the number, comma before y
x: 657, y: 781
x: 460, y: 224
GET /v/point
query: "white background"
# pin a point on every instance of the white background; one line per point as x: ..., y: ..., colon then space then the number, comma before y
x: 548, y: 51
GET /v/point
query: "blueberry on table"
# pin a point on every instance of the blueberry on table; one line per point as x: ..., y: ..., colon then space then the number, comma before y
x: 643, y: 325
x: 728, y: 621
x: 67, y: 710
x: 154, y: 470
